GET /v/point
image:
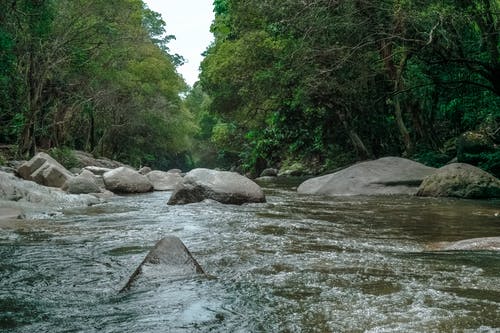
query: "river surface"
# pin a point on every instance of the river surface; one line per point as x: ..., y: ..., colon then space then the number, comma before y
x: 294, y: 264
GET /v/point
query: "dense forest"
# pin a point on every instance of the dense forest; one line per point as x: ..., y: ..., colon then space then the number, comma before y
x: 312, y: 84
x: 91, y: 75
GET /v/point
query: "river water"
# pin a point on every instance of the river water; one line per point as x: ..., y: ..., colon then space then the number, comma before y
x: 294, y: 264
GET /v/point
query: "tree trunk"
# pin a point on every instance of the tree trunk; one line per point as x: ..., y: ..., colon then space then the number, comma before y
x: 358, y: 144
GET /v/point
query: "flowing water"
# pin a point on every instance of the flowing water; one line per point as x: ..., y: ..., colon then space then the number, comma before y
x: 294, y: 264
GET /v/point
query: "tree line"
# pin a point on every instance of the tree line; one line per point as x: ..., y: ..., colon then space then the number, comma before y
x: 322, y: 83
x: 91, y: 75
x: 329, y: 82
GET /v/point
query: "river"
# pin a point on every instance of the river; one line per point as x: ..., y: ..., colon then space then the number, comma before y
x: 294, y: 264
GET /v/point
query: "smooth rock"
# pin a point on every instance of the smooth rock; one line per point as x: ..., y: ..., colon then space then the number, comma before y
x: 168, y: 259
x: 388, y: 175
x: 126, y: 180
x: 164, y: 181
x: 460, y: 180
x: 222, y: 186
x: 84, y: 183
x: 145, y: 170
x: 175, y: 171
x: 473, y: 244
x: 270, y: 172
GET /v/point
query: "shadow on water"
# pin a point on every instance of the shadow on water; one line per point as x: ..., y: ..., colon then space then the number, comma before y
x: 294, y: 264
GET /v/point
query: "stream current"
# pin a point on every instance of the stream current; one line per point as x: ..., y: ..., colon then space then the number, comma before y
x: 294, y: 264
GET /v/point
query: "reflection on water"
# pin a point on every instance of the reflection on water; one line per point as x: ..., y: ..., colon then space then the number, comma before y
x: 294, y: 264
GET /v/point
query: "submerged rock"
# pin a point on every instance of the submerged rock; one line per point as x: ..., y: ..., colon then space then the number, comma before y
x: 164, y: 181
x: 388, y: 175
x: 462, y: 181
x: 222, y: 186
x: 126, y: 180
x: 9, y: 213
x: 44, y: 170
x: 473, y: 244
x: 168, y: 259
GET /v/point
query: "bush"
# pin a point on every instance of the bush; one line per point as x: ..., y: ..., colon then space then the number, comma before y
x: 64, y: 156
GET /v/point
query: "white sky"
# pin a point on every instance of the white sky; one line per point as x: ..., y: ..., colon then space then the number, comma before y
x: 189, y: 21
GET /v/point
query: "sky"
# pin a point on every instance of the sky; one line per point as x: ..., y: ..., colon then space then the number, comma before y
x: 189, y: 21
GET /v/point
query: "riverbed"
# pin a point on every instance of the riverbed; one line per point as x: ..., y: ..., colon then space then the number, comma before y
x: 294, y: 264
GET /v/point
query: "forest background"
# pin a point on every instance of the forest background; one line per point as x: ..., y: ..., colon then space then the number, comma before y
x: 314, y: 85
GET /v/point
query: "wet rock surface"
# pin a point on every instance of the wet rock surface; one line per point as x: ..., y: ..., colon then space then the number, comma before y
x: 222, y: 186
x: 388, y: 175
x: 168, y: 259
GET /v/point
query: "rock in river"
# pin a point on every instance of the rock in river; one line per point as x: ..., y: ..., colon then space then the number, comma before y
x: 86, y: 182
x: 222, y: 186
x: 473, y: 244
x: 388, y: 175
x: 126, y: 180
x: 164, y: 181
x: 169, y: 259
x: 44, y: 170
x: 462, y: 181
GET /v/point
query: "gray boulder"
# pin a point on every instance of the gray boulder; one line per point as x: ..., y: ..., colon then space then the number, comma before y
x: 462, y: 181
x: 385, y: 176
x: 84, y: 183
x: 269, y: 173
x: 169, y: 259
x: 164, y: 181
x: 126, y: 180
x: 145, y: 170
x: 222, y: 186
x: 44, y: 170
x: 473, y: 244
x: 175, y: 171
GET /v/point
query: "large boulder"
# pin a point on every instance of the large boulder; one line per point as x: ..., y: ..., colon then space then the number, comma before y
x: 388, y: 175
x: 462, y: 181
x: 164, y: 181
x: 126, y: 180
x: 473, y: 244
x: 44, y: 170
x: 222, y: 186
x: 86, y: 182
x: 169, y: 259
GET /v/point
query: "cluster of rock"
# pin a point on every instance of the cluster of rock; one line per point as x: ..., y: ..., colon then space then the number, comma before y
x: 394, y: 175
x: 46, y: 171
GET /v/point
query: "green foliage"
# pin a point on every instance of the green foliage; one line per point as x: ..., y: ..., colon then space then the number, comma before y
x: 64, y: 156
x: 91, y: 75
x: 337, y: 81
